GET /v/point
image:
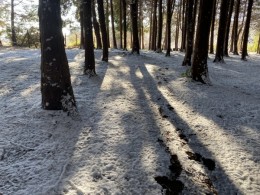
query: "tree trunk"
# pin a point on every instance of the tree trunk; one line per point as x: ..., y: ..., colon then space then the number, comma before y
x: 246, y: 29
x: 211, y: 50
x: 199, y: 71
x: 125, y: 27
x: 141, y: 24
x: 81, y: 18
x: 221, y: 31
x: 134, y: 15
x: 170, y: 8
x: 89, y: 46
x: 113, y: 26
x: 230, y: 11
x: 56, y: 89
x: 107, y: 24
x: 190, y: 32
x: 235, y: 26
x: 103, y: 29
x: 120, y: 24
x: 13, y: 37
x: 159, y: 28
x: 184, y: 25
x: 154, y: 25
x: 178, y: 27
x: 96, y: 27
x: 151, y: 27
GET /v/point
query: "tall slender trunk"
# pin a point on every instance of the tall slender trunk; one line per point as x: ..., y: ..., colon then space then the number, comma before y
x: 178, y: 27
x: 89, y: 45
x: 13, y: 37
x: 96, y: 26
x: 240, y: 29
x: 154, y: 25
x: 125, y: 27
x: 184, y: 25
x: 170, y: 9
x: 151, y: 26
x: 219, y: 57
x: 211, y: 50
x: 102, y: 21
x: 107, y: 24
x: 134, y: 15
x: 235, y: 27
x: 159, y: 28
x: 120, y: 24
x: 230, y: 11
x: 191, y: 19
x: 81, y: 18
x: 113, y: 26
x: 246, y: 29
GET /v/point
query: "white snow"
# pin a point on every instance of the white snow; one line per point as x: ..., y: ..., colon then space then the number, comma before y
x: 129, y: 114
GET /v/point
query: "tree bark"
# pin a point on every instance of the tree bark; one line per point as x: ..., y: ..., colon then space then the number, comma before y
x: 184, y: 25
x: 199, y: 70
x: 151, y: 27
x: 89, y: 46
x: 13, y: 36
x: 120, y: 24
x: 96, y: 27
x: 211, y: 50
x: 169, y: 12
x: 107, y: 24
x: 219, y: 57
x: 81, y: 18
x: 235, y: 26
x: 190, y: 32
x: 246, y: 29
x: 230, y: 11
x: 159, y: 28
x: 124, y: 23
x: 178, y: 27
x: 134, y: 15
x: 56, y: 89
x: 154, y: 37
x: 102, y: 21
x: 113, y: 26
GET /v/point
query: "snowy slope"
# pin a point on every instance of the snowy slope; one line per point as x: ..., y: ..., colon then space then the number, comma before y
x: 140, y: 122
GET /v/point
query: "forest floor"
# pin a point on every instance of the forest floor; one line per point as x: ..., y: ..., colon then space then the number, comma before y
x: 142, y: 128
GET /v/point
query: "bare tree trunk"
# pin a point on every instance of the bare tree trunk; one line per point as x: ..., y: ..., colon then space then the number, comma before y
x: 235, y: 27
x: 199, y: 71
x: 169, y: 12
x: 107, y: 24
x: 211, y: 50
x: 56, y: 88
x: 102, y: 21
x: 184, y: 25
x: 96, y: 27
x: 159, y: 28
x: 219, y: 57
x: 151, y: 26
x: 125, y: 27
x: 178, y: 27
x: 230, y: 11
x: 13, y: 37
x: 190, y: 32
x: 113, y: 26
x: 154, y: 25
x: 134, y: 15
x: 89, y: 45
x: 81, y: 18
x: 120, y: 24
x: 246, y: 29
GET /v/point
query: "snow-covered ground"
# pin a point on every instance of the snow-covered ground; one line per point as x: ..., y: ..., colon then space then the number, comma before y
x: 142, y: 128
